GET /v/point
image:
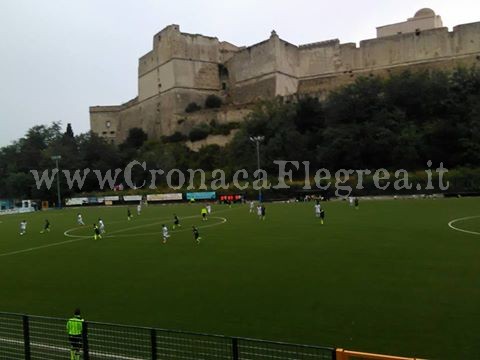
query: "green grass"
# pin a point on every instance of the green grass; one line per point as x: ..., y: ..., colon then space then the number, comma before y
x: 391, y: 277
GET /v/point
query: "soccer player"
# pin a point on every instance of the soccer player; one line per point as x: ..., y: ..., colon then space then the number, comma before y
x: 165, y: 233
x: 176, y: 221
x: 101, y: 226
x: 96, y: 232
x: 129, y: 214
x: 356, y: 203
x: 204, y: 214
x: 196, y: 234
x: 209, y: 209
x: 80, y: 220
x: 139, y: 209
x: 259, y: 211
x: 252, y: 206
x: 46, y: 227
x: 23, y: 227
x: 74, y: 331
x: 318, y: 209
x: 263, y: 211
x: 322, y: 216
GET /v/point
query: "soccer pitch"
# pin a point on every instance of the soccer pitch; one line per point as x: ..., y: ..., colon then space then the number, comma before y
x: 391, y: 277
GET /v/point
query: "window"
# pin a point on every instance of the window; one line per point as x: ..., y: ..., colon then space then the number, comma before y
x: 108, y: 124
x: 112, y: 132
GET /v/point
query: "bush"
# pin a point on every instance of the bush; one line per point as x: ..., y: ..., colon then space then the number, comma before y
x: 213, y: 101
x: 223, y: 129
x: 199, y: 133
x: 175, y: 137
x: 192, y: 107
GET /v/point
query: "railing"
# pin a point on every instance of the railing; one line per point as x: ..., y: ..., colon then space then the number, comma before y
x: 38, y: 338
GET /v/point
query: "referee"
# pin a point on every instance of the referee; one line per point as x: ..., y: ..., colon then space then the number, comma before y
x: 74, y: 330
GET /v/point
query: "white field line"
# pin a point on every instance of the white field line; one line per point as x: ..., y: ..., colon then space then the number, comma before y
x: 40, y: 247
x: 450, y: 224
x: 67, y: 350
x: 83, y: 237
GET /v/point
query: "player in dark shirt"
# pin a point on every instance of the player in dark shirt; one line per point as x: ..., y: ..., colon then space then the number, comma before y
x: 46, y: 227
x: 176, y: 221
x: 196, y: 234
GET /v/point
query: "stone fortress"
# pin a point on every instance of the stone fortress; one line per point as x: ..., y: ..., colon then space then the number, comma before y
x: 184, y: 68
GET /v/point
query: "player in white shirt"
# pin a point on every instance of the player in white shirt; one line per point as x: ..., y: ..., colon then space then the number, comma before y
x: 101, y: 226
x: 209, y: 209
x: 165, y: 233
x: 318, y: 209
x: 252, y: 206
x: 139, y: 209
x: 23, y: 227
x: 80, y: 220
x: 259, y: 211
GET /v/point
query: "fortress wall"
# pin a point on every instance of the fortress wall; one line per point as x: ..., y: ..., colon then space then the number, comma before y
x: 256, y: 89
x: 147, y: 63
x: 285, y: 85
x: 179, y: 60
x: 287, y: 58
x: 319, y: 58
x: 252, y: 62
x: 466, y: 38
x: 198, y: 75
x: 330, y: 57
x: 405, y: 48
x: 322, y: 85
x: 100, y: 116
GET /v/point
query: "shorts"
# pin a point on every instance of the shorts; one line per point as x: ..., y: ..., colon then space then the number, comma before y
x: 75, y: 341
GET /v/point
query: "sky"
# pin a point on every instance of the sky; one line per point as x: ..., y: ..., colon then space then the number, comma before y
x: 58, y: 57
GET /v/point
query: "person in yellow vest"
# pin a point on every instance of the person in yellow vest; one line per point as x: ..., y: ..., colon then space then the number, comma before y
x: 74, y: 331
x: 204, y: 213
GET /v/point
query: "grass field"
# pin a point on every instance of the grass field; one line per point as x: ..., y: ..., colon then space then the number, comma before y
x: 391, y: 277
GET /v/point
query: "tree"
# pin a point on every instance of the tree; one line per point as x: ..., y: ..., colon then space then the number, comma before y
x: 69, y: 131
x: 213, y: 101
x: 136, y: 138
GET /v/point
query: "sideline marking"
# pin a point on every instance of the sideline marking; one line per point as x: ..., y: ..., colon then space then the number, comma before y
x: 450, y: 224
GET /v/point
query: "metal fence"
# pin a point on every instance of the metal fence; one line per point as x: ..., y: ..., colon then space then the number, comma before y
x: 42, y: 338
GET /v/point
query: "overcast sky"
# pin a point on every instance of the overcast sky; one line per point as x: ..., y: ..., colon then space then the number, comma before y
x: 59, y: 57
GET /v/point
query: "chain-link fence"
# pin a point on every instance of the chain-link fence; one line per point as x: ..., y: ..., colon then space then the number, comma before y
x: 42, y: 338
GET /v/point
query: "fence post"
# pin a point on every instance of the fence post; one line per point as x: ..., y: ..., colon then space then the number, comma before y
x: 234, y: 348
x: 86, y: 355
x: 153, y: 343
x: 26, y: 337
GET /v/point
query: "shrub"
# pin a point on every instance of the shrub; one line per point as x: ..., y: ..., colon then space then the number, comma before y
x: 213, y: 101
x: 192, y: 107
x: 199, y: 133
x: 177, y: 136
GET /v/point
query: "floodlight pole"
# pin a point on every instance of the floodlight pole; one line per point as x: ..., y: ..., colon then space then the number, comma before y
x: 257, y: 140
x: 59, y: 198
